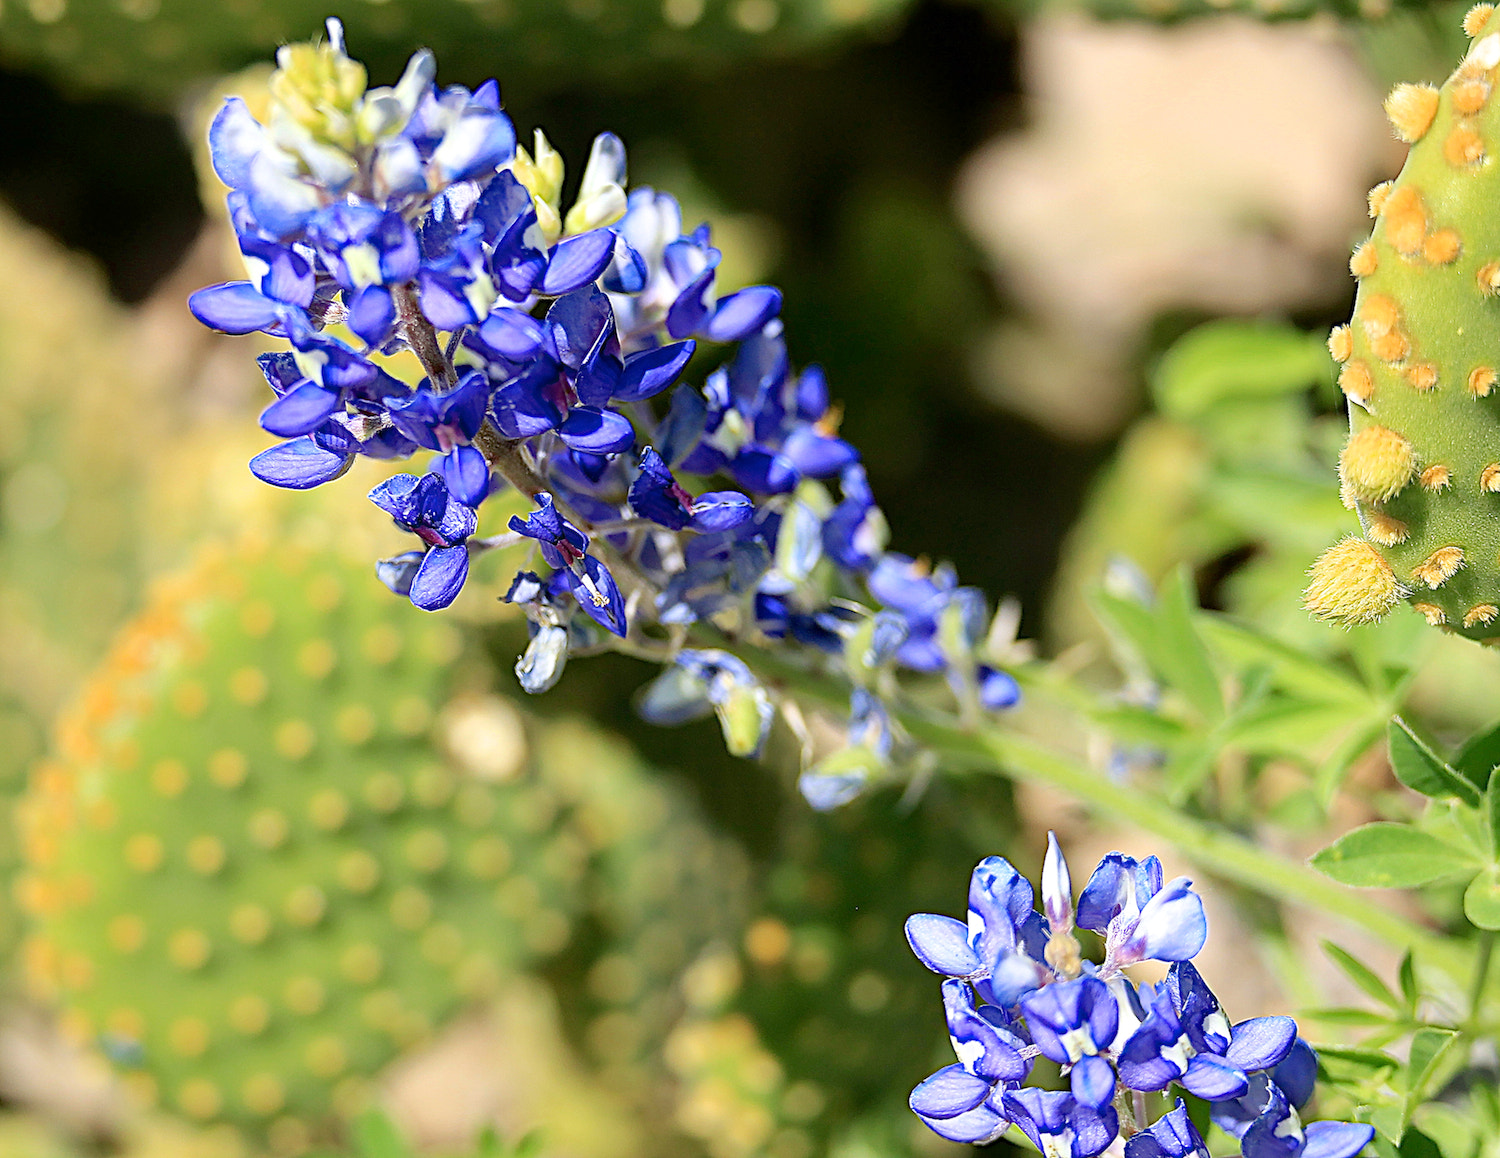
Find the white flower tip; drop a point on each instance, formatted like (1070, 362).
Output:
(1057, 886)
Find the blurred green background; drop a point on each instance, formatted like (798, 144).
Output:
(991, 220)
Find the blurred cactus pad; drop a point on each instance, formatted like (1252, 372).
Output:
(1418, 365)
(156, 48)
(272, 851)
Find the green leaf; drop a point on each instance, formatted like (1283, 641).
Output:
(1387, 855)
(1345, 1015)
(1479, 756)
(1390, 1121)
(1140, 726)
(1293, 670)
(1415, 1144)
(375, 1136)
(1482, 899)
(1372, 1059)
(1282, 725)
(1361, 975)
(1429, 1046)
(1492, 815)
(1407, 976)
(1235, 359)
(1421, 769)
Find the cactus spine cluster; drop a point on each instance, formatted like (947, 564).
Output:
(1419, 362)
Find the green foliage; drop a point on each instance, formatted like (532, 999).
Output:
(1187, 487)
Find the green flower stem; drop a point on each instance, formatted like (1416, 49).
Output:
(993, 749)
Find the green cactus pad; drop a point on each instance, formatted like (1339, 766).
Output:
(1419, 363)
(252, 877)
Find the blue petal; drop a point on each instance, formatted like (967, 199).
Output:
(466, 474)
(742, 314)
(519, 262)
(627, 271)
(1172, 925)
(1213, 1078)
(596, 431)
(398, 571)
(981, 1124)
(600, 598)
(683, 426)
(300, 411)
(577, 261)
(441, 577)
(522, 409)
(765, 472)
(280, 203)
(942, 944)
(234, 307)
(825, 791)
(949, 1092)
(1093, 1082)
(677, 696)
(1297, 1073)
(649, 372)
(721, 511)
(686, 314)
(444, 303)
(998, 690)
(299, 465)
(372, 314)
(477, 143)
(234, 138)
(1173, 1135)
(1094, 1130)
(1336, 1139)
(1261, 1042)
(511, 333)
(818, 455)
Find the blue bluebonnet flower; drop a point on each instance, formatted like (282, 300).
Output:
(1017, 984)
(1277, 1132)
(559, 345)
(565, 548)
(1173, 1135)
(444, 522)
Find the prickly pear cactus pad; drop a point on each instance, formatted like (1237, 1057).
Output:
(1420, 362)
(253, 877)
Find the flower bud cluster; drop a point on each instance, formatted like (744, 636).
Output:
(1017, 989)
(555, 342)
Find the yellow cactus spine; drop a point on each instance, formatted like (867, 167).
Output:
(1351, 584)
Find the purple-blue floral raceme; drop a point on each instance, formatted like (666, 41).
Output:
(682, 502)
(1018, 988)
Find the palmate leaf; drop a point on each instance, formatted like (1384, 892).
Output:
(1166, 639)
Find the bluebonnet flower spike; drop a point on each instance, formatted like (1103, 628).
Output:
(412, 219)
(1017, 988)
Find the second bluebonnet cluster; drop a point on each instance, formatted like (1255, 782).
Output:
(1018, 989)
(671, 518)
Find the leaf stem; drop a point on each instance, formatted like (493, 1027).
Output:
(1481, 971)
